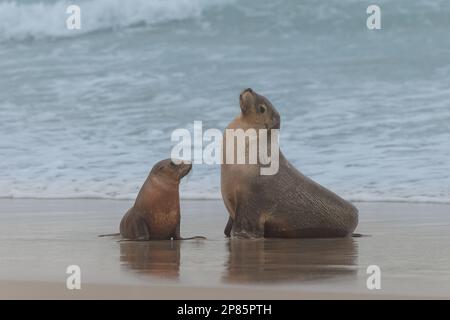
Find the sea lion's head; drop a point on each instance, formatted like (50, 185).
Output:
(258, 110)
(173, 170)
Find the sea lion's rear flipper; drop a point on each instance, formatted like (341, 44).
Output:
(191, 238)
(109, 235)
(228, 227)
(359, 235)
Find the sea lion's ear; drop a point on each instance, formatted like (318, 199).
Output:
(246, 100)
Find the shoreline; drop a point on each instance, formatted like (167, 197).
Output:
(373, 201)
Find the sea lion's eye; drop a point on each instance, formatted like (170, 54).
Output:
(262, 109)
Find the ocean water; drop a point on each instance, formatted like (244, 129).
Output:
(86, 113)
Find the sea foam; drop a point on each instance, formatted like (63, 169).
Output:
(37, 20)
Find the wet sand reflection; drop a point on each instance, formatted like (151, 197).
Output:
(278, 260)
(157, 258)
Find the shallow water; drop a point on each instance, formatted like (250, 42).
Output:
(40, 238)
(87, 113)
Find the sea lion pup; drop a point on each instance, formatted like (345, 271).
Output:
(156, 212)
(286, 204)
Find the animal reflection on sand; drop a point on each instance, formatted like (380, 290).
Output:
(157, 258)
(248, 261)
(278, 260)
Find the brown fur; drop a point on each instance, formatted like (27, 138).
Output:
(156, 212)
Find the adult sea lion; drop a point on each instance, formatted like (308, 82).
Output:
(283, 205)
(156, 213)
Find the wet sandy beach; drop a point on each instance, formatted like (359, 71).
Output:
(40, 238)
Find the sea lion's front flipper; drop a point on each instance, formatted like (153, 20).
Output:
(191, 238)
(177, 235)
(360, 235)
(109, 235)
(228, 227)
(134, 227)
(248, 223)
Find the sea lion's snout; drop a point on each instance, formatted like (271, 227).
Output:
(246, 95)
(246, 99)
(184, 168)
(173, 168)
(276, 120)
(246, 91)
